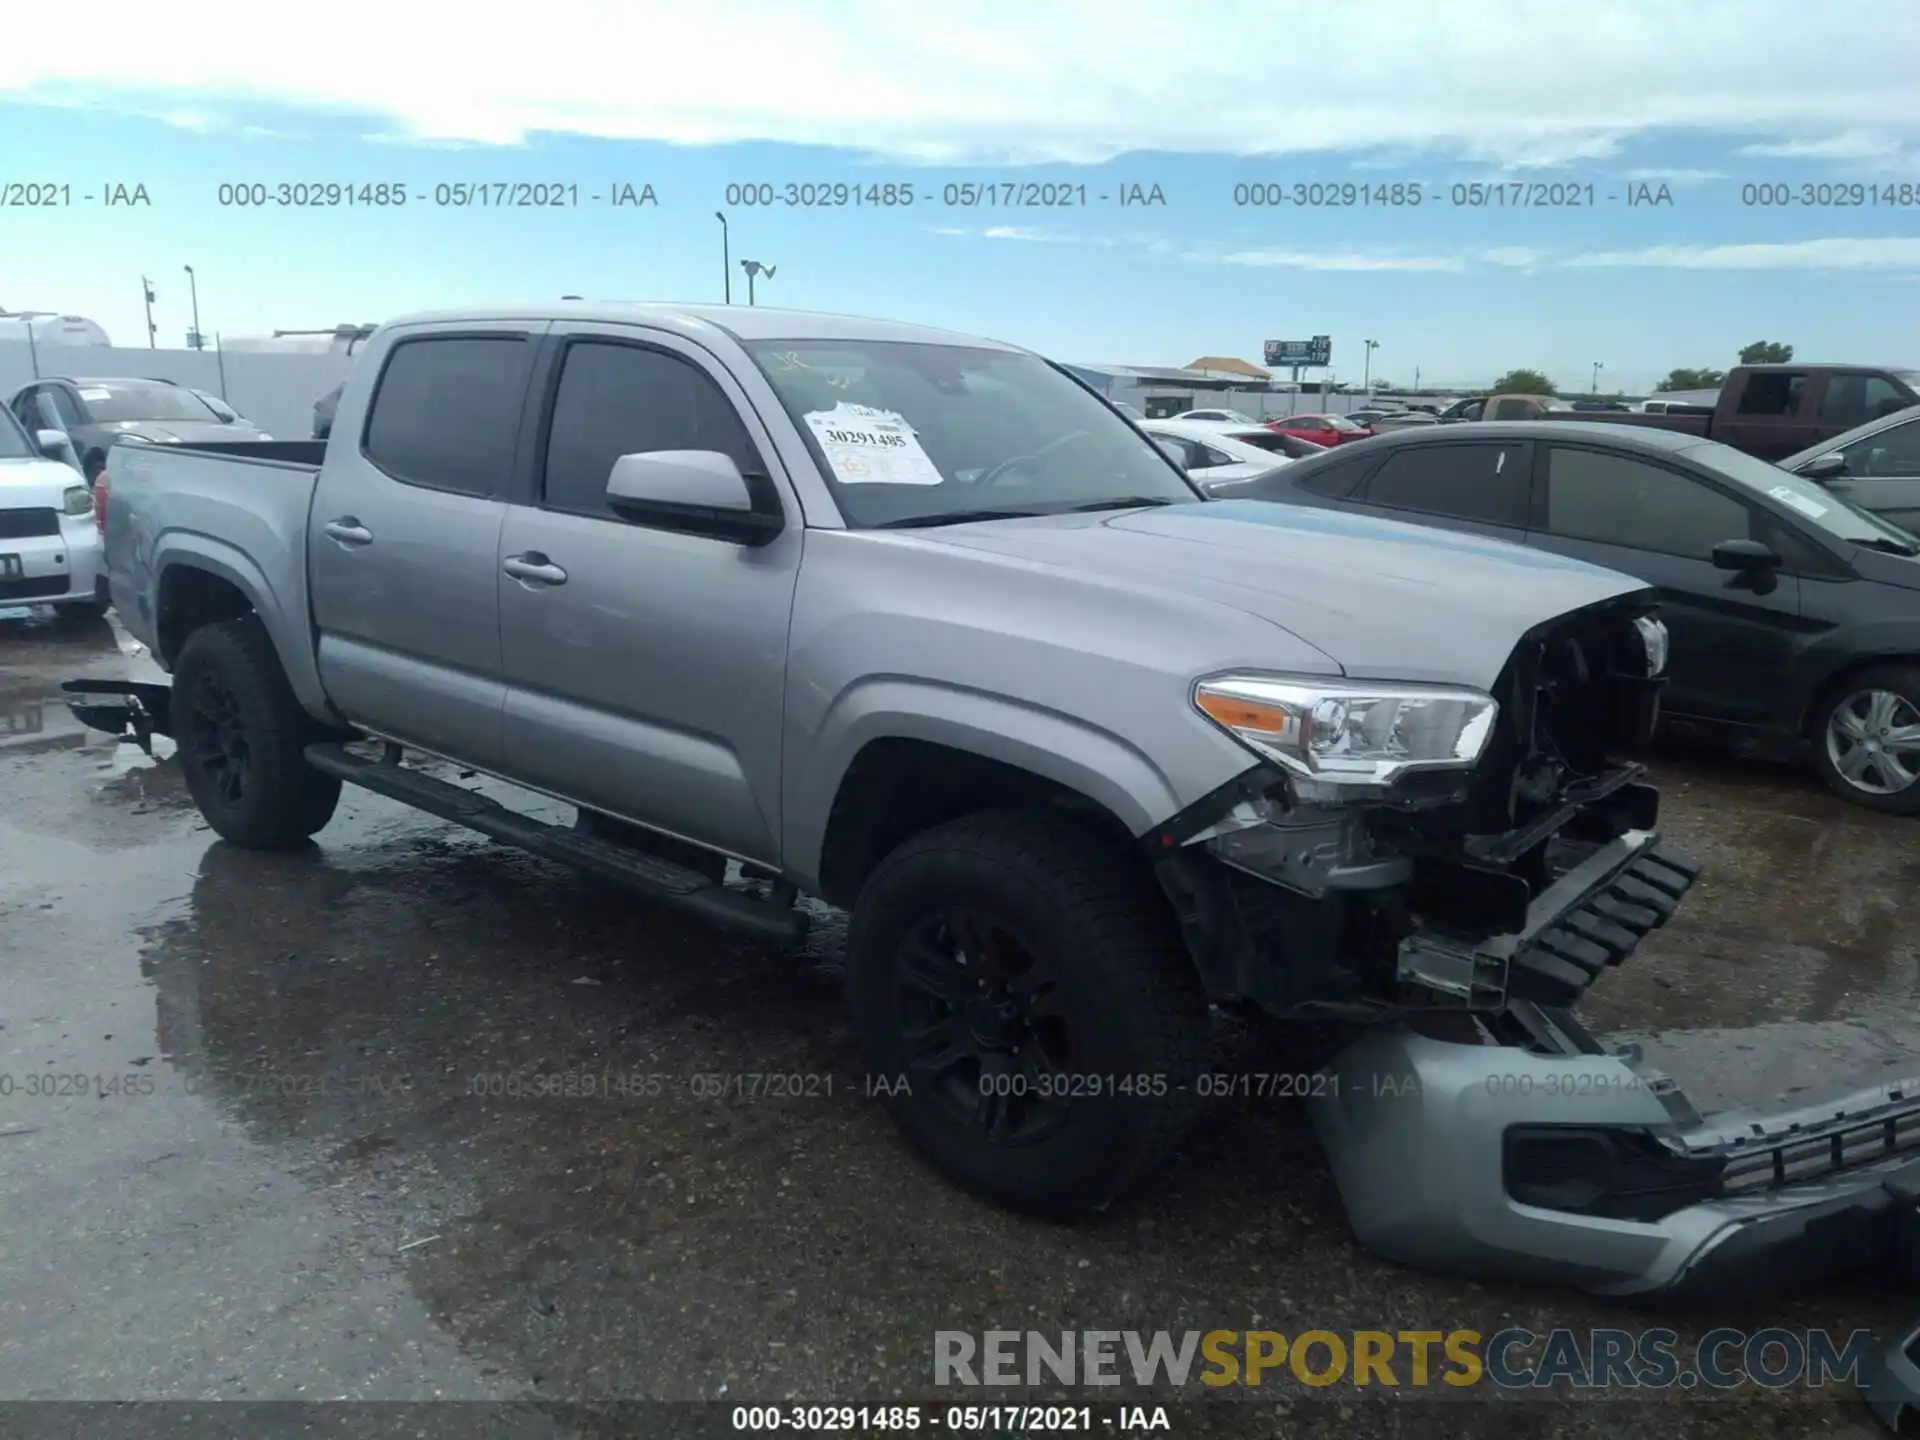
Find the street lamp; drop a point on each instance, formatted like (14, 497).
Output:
(193, 285)
(1597, 368)
(726, 261)
(754, 268)
(1366, 372)
(146, 287)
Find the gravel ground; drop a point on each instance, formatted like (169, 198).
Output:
(294, 1170)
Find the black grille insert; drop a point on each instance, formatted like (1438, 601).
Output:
(26, 524)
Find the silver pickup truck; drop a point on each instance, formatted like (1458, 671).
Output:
(916, 624)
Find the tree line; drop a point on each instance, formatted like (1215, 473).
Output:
(1761, 352)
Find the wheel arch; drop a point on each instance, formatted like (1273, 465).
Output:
(199, 580)
(898, 786)
(1828, 686)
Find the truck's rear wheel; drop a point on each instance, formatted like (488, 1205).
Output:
(241, 735)
(1031, 990)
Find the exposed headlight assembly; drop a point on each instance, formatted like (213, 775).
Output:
(1653, 639)
(1344, 732)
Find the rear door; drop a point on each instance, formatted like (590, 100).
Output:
(1732, 635)
(404, 539)
(1774, 414)
(646, 674)
(1480, 486)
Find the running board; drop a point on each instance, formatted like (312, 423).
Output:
(659, 880)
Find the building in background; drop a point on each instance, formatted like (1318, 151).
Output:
(340, 340)
(49, 327)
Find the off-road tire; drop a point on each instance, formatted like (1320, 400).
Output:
(1901, 680)
(1134, 999)
(281, 800)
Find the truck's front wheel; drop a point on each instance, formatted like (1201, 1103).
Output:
(241, 734)
(1026, 1008)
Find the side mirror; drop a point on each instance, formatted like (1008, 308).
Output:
(54, 445)
(1744, 555)
(1830, 466)
(699, 492)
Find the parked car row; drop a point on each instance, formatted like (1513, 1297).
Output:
(1793, 611)
(91, 415)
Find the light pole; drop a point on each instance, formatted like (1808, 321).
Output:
(1597, 368)
(754, 268)
(726, 257)
(146, 286)
(1366, 372)
(1416, 379)
(193, 285)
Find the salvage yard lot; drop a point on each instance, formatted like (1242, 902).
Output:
(310, 1156)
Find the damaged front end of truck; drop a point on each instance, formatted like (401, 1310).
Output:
(1452, 869)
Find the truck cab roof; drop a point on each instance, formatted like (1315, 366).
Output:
(741, 322)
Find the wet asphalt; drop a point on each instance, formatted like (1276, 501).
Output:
(412, 1116)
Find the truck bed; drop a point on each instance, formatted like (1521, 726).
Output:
(237, 509)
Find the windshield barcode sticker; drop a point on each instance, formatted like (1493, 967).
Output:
(866, 446)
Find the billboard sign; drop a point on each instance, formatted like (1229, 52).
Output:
(1283, 353)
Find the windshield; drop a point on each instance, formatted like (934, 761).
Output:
(917, 433)
(14, 444)
(1838, 517)
(112, 404)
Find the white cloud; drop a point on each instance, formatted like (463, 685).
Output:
(1835, 253)
(1008, 81)
(1514, 257)
(1327, 260)
(1851, 145)
(1661, 175)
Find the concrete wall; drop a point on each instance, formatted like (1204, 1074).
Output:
(274, 391)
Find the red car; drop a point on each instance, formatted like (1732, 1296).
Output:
(1320, 429)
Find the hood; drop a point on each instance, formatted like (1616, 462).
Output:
(1387, 601)
(1899, 570)
(35, 484)
(183, 432)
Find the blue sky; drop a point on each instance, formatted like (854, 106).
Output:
(1706, 100)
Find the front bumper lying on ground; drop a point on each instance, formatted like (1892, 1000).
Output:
(1569, 1164)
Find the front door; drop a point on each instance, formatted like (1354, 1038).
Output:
(404, 543)
(646, 669)
(1728, 631)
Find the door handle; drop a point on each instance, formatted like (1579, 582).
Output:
(348, 531)
(533, 568)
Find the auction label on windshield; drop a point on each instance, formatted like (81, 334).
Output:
(866, 446)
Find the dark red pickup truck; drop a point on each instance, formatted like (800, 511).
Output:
(1773, 411)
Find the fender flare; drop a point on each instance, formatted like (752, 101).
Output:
(1102, 766)
(292, 641)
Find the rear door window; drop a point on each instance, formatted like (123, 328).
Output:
(446, 411)
(1486, 483)
(1773, 392)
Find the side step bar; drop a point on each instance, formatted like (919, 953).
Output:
(659, 880)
